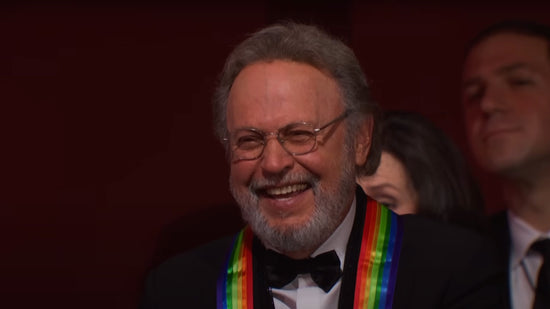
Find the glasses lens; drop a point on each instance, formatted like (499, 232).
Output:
(247, 144)
(298, 138)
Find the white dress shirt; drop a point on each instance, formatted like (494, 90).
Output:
(303, 292)
(524, 263)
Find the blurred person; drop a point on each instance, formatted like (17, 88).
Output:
(294, 113)
(506, 101)
(422, 171)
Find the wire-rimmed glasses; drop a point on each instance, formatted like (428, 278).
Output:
(296, 138)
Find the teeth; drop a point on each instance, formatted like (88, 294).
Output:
(286, 190)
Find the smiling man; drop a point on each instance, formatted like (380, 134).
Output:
(293, 202)
(506, 98)
(294, 113)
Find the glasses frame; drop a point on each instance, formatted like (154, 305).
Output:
(276, 133)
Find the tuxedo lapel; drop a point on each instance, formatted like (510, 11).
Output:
(262, 295)
(353, 250)
(500, 231)
(372, 256)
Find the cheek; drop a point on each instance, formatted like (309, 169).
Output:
(543, 130)
(471, 120)
(540, 112)
(545, 123)
(241, 173)
(325, 163)
(473, 128)
(408, 208)
(334, 155)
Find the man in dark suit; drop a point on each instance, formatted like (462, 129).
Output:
(506, 98)
(294, 112)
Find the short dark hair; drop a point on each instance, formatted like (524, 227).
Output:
(524, 27)
(439, 174)
(310, 45)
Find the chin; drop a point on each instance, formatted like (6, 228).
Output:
(291, 235)
(508, 167)
(286, 225)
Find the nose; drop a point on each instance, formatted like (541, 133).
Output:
(494, 100)
(275, 159)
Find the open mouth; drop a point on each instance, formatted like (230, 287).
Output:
(284, 191)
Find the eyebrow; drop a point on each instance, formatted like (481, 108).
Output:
(500, 71)
(249, 128)
(383, 186)
(513, 67)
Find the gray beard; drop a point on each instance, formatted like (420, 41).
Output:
(330, 209)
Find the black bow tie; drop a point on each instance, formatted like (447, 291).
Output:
(324, 269)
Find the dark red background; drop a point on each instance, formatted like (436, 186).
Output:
(108, 160)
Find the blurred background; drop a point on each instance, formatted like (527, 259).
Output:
(109, 164)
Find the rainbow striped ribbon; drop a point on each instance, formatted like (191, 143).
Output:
(379, 258)
(235, 285)
(376, 267)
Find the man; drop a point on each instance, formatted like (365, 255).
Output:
(294, 112)
(506, 97)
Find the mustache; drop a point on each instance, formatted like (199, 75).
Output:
(258, 184)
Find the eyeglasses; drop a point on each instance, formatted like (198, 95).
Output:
(296, 138)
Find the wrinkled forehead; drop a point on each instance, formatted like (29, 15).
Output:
(273, 94)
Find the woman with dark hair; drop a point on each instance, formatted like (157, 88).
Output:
(422, 171)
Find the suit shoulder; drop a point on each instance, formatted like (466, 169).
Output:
(457, 263)
(187, 280)
(439, 245)
(203, 258)
(430, 232)
(499, 224)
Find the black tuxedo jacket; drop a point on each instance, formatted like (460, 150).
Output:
(500, 231)
(440, 266)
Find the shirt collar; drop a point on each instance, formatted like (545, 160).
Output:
(522, 235)
(338, 241)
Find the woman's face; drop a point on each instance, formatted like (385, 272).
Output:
(391, 186)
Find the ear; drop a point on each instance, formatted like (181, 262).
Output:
(363, 141)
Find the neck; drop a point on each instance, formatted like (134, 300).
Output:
(529, 197)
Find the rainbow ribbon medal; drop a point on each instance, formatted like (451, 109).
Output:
(379, 258)
(376, 267)
(234, 289)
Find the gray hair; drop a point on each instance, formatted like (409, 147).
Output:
(310, 45)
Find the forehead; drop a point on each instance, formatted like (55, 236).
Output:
(505, 49)
(278, 92)
(391, 174)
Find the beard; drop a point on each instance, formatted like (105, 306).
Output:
(331, 205)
